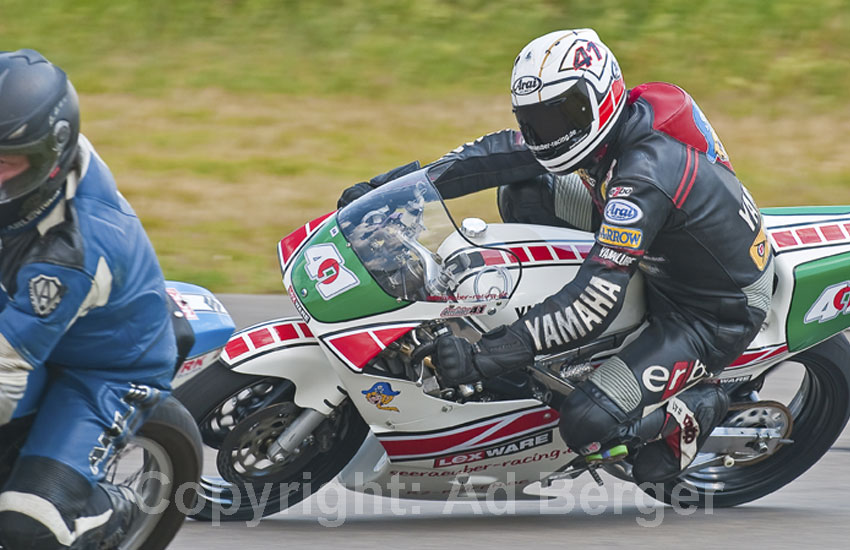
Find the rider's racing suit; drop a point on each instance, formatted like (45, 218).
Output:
(663, 199)
(83, 298)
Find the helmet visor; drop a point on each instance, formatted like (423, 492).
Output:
(41, 159)
(555, 126)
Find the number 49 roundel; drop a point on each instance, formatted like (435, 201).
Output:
(325, 265)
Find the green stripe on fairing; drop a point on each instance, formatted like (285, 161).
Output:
(811, 279)
(367, 298)
(805, 210)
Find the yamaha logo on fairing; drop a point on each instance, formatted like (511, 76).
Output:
(525, 85)
(620, 211)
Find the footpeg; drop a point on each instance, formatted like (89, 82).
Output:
(614, 454)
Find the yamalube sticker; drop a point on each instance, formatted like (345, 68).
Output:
(325, 265)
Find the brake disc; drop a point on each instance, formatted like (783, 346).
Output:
(243, 455)
(760, 414)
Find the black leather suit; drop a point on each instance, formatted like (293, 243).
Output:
(664, 199)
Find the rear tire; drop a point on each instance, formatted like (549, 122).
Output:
(219, 400)
(820, 408)
(173, 430)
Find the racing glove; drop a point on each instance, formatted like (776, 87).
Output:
(357, 190)
(497, 352)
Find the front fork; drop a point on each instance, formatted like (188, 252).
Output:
(290, 440)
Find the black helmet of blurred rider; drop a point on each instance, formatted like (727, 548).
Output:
(39, 130)
(568, 96)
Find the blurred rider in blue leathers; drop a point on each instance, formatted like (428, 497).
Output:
(83, 299)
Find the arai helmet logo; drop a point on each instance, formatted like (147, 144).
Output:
(525, 85)
(326, 266)
(620, 211)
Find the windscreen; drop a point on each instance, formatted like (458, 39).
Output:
(396, 232)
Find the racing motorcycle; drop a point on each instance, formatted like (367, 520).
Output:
(164, 458)
(341, 390)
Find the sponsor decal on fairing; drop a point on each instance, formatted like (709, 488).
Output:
(496, 451)
(462, 311)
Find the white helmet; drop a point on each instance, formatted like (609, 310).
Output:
(567, 93)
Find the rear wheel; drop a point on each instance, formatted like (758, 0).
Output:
(162, 463)
(819, 406)
(239, 416)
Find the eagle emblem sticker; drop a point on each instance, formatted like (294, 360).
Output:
(45, 294)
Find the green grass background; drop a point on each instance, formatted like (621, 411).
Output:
(228, 123)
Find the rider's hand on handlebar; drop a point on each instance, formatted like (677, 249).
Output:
(454, 359)
(353, 193)
(497, 352)
(357, 190)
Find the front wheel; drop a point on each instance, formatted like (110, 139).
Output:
(239, 416)
(820, 407)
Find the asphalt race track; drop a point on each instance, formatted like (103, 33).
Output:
(812, 512)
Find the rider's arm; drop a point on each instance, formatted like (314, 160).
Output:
(586, 306)
(493, 160)
(490, 161)
(47, 301)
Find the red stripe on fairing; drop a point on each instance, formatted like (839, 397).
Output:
(759, 355)
(540, 253)
(358, 348)
(305, 330)
(584, 250)
(261, 337)
(236, 347)
(847, 227)
(291, 242)
(435, 444)
(808, 235)
(286, 332)
(313, 225)
(832, 232)
(520, 253)
(389, 335)
(492, 257)
(535, 420)
(784, 238)
(564, 252)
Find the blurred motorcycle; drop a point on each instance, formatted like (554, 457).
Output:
(162, 462)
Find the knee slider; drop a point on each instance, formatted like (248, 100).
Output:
(588, 416)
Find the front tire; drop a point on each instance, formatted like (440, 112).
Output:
(259, 408)
(820, 409)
